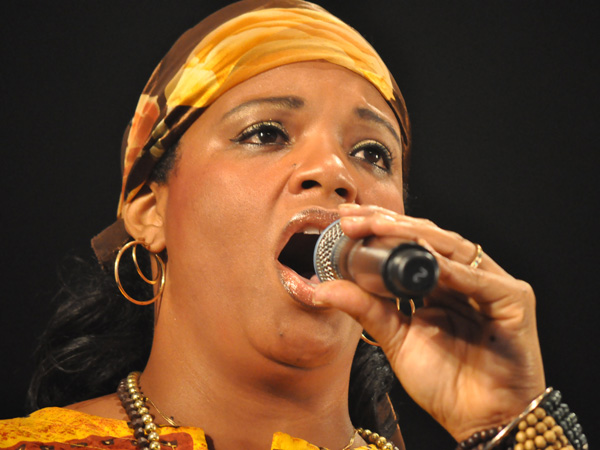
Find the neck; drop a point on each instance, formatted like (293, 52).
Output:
(240, 404)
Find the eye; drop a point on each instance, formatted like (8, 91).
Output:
(263, 133)
(374, 153)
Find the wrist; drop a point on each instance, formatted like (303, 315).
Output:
(546, 423)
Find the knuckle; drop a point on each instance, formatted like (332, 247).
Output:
(429, 223)
(525, 291)
(456, 236)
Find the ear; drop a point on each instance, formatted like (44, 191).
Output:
(144, 217)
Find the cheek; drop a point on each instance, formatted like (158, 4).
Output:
(212, 204)
(208, 219)
(202, 199)
(389, 196)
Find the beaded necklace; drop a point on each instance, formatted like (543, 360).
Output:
(145, 430)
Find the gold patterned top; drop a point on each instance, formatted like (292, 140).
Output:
(65, 429)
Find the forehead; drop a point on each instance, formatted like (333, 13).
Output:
(317, 82)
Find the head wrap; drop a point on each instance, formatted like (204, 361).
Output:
(228, 47)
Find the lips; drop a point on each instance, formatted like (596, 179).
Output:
(295, 255)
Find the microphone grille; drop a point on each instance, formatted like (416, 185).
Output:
(322, 257)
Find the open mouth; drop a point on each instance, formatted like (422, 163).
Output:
(298, 252)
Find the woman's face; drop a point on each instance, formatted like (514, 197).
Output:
(260, 171)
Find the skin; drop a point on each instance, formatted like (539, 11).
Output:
(233, 336)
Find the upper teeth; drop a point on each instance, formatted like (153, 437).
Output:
(311, 230)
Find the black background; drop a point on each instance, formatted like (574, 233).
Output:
(503, 97)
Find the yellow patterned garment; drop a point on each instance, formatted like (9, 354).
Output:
(65, 429)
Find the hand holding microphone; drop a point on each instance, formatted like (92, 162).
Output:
(388, 267)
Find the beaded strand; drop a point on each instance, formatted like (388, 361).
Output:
(134, 403)
(374, 438)
(547, 424)
(478, 440)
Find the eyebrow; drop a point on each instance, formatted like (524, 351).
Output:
(367, 114)
(278, 102)
(292, 102)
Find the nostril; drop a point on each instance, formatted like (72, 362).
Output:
(342, 192)
(307, 184)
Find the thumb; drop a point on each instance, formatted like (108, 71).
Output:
(378, 316)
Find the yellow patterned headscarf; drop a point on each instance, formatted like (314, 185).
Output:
(227, 48)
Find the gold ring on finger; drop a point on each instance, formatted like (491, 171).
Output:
(478, 257)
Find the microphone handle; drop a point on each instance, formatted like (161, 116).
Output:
(388, 267)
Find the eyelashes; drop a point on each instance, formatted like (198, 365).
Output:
(263, 133)
(272, 133)
(374, 153)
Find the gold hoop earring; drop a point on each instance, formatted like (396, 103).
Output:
(413, 309)
(159, 279)
(369, 341)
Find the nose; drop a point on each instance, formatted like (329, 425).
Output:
(320, 169)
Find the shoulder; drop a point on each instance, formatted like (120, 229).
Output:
(93, 424)
(108, 406)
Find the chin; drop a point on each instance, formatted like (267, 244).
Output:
(299, 348)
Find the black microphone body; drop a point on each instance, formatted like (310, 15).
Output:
(384, 266)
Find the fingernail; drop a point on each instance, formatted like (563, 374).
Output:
(318, 298)
(349, 206)
(353, 219)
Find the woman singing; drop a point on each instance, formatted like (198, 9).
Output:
(263, 125)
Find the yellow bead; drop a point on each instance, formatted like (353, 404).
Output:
(154, 445)
(138, 404)
(521, 436)
(388, 446)
(549, 421)
(153, 436)
(540, 442)
(146, 418)
(540, 413)
(522, 425)
(531, 419)
(550, 436)
(558, 430)
(150, 427)
(143, 410)
(373, 438)
(136, 396)
(529, 445)
(530, 433)
(541, 427)
(519, 446)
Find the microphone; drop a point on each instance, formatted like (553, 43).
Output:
(384, 266)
